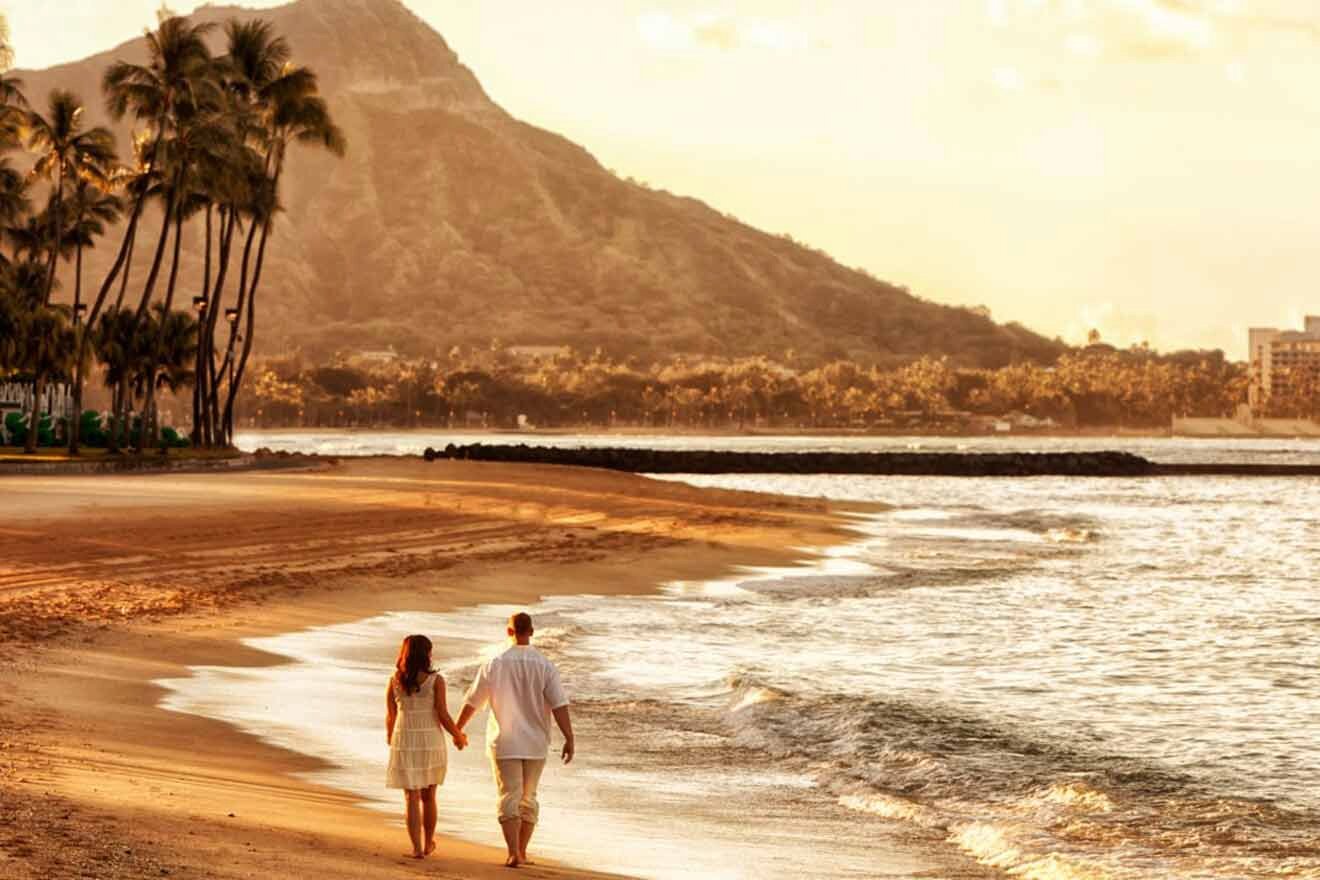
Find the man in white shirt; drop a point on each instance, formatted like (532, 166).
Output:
(523, 691)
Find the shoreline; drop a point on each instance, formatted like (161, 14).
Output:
(90, 753)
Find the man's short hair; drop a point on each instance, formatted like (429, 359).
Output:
(521, 624)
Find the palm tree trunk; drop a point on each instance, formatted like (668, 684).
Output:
(147, 434)
(75, 423)
(77, 280)
(112, 438)
(214, 373)
(39, 385)
(152, 426)
(250, 329)
(226, 367)
(150, 287)
(199, 369)
(174, 265)
(57, 232)
(128, 270)
(125, 411)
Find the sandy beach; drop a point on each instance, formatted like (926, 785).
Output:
(110, 583)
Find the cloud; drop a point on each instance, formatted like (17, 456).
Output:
(667, 32)
(1008, 79)
(1146, 29)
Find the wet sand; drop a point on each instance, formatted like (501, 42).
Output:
(109, 583)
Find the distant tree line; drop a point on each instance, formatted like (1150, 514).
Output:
(1136, 389)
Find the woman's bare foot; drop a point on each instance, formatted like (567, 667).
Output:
(414, 855)
(430, 847)
(512, 862)
(523, 860)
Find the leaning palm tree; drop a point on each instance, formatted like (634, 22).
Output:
(65, 151)
(236, 190)
(93, 209)
(293, 112)
(179, 66)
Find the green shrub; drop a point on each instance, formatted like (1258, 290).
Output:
(16, 428)
(90, 430)
(171, 438)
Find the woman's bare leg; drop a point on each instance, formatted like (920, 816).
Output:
(413, 813)
(524, 839)
(429, 815)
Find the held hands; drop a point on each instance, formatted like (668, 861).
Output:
(460, 740)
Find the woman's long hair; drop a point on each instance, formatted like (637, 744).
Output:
(414, 663)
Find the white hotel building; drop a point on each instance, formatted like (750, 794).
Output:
(1277, 354)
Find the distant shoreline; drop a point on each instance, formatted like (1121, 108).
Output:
(637, 431)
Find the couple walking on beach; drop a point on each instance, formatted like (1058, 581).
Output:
(522, 689)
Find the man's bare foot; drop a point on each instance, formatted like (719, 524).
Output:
(512, 862)
(414, 855)
(523, 860)
(430, 847)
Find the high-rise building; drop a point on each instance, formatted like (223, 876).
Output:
(1281, 358)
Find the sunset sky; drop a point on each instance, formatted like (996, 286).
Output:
(1150, 168)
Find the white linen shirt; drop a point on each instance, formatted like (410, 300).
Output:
(522, 688)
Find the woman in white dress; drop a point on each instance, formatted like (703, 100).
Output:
(415, 711)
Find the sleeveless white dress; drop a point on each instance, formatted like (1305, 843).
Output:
(417, 749)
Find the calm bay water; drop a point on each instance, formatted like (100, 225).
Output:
(1047, 678)
(1159, 449)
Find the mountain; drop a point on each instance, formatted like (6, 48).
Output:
(451, 222)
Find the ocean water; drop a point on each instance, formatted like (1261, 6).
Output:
(1053, 679)
(1160, 449)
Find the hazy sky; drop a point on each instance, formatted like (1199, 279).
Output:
(1150, 168)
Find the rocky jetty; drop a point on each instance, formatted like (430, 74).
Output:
(934, 464)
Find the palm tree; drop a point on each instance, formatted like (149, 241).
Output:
(65, 152)
(12, 102)
(178, 67)
(119, 345)
(30, 238)
(171, 365)
(14, 202)
(293, 112)
(11, 330)
(47, 351)
(93, 209)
